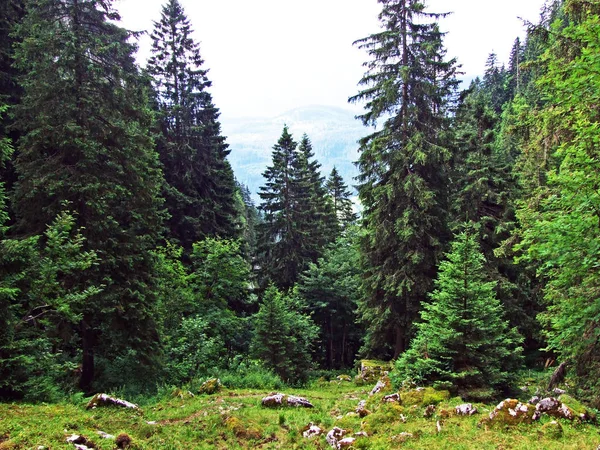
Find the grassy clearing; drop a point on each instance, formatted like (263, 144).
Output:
(234, 419)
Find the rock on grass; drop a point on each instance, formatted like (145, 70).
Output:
(275, 400)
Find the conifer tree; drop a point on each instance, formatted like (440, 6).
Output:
(403, 168)
(11, 14)
(559, 218)
(318, 220)
(297, 218)
(86, 141)
(342, 204)
(284, 336)
(331, 289)
(463, 337)
(200, 187)
(279, 239)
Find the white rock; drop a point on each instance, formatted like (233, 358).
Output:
(312, 431)
(466, 409)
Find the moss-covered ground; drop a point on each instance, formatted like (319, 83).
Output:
(235, 419)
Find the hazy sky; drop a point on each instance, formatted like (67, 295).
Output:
(269, 56)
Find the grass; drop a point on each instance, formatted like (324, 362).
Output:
(234, 419)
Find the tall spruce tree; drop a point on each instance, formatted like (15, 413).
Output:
(11, 14)
(403, 169)
(340, 198)
(200, 187)
(86, 141)
(297, 217)
(319, 219)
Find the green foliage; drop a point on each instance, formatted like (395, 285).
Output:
(86, 140)
(298, 217)
(560, 217)
(41, 309)
(463, 336)
(201, 307)
(409, 87)
(199, 184)
(342, 203)
(331, 291)
(284, 336)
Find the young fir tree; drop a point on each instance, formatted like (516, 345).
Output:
(403, 169)
(342, 204)
(463, 337)
(284, 336)
(86, 141)
(200, 187)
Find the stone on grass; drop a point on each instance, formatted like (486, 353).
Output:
(552, 430)
(81, 442)
(423, 396)
(104, 435)
(99, 400)
(581, 411)
(429, 411)
(276, 399)
(334, 437)
(210, 387)
(371, 370)
(361, 434)
(512, 412)
(312, 431)
(382, 385)
(466, 409)
(361, 409)
(403, 437)
(392, 398)
(534, 400)
(553, 407)
(344, 378)
(347, 442)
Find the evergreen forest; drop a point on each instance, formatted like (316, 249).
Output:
(131, 258)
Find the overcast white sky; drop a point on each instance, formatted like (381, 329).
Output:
(269, 56)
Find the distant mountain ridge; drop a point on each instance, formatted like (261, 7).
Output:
(334, 133)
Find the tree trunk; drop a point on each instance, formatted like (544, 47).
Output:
(87, 363)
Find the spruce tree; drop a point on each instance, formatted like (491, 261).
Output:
(86, 141)
(200, 187)
(284, 336)
(316, 212)
(409, 86)
(11, 14)
(463, 337)
(279, 241)
(340, 198)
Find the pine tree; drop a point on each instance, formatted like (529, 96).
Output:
(403, 169)
(342, 204)
(200, 187)
(463, 337)
(85, 125)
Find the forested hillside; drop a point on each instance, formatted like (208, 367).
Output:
(131, 257)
